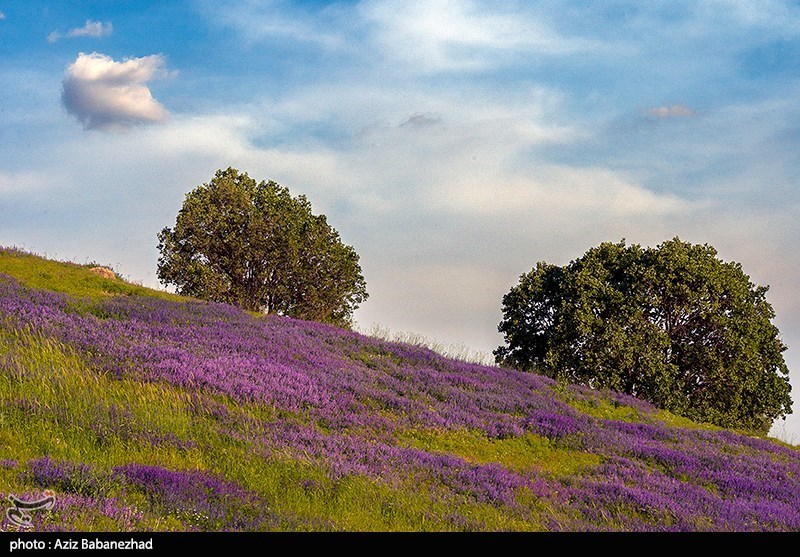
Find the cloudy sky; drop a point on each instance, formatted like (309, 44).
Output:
(453, 143)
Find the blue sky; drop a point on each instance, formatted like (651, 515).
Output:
(453, 143)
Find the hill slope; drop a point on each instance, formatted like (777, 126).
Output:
(144, 411)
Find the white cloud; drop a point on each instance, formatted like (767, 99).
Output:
(766, 14)
(470, 158)
(425, 37)
(15, 182)
(676, 110)
(276, 19)
(2, 16)
(105, 94)
(567, 191)
(91, 28)
(448, 35)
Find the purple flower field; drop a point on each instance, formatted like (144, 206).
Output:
(336, 419)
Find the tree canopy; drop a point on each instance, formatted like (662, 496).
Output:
(673, 324)
(254, 245)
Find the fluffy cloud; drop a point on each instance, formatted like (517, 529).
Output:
(2, 15)
(91, 28)
(105, 94)
(676, 110)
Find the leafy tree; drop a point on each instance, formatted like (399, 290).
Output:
(253, 245)
(673, 324)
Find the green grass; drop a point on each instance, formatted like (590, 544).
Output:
(54, 404)
(525, 452)
(605, 409)
(674, 420)
(69, 278)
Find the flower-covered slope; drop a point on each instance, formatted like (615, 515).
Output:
(144, 413)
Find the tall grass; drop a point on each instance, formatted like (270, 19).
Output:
(87, 424)
(455, 351)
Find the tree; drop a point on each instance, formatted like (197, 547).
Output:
(673, 324)
(255, 246)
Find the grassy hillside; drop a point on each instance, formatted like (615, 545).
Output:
(145, 411)
(70, 278)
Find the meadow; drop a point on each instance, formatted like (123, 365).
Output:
(145, 411)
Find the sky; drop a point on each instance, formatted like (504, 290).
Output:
(452, 143)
